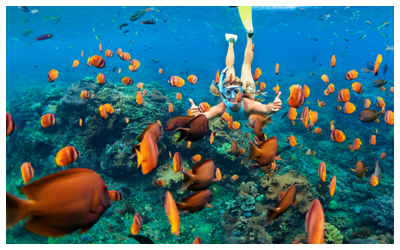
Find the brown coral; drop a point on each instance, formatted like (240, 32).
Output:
(276, 183)
(248, 188)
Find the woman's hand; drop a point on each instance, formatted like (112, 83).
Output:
(277, 104)
(195, 109)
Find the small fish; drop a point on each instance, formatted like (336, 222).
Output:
(122, 25)
(383, 25)
(98, 38)
(27, 33)
(362, 37)
(148, 22)
(314, 39)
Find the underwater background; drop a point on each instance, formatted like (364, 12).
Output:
(191, 40)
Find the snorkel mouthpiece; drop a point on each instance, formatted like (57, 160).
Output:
(221, 83)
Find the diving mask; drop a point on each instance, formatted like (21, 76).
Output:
(232, 91)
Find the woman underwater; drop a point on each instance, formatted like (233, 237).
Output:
(238, 97)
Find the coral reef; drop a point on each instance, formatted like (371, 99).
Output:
(276, 183)
(332, 234)
(381, 210)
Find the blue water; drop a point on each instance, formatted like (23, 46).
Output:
(192, 41)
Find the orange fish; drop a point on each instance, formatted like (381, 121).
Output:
(139, 98)
(85, 94)
(351, 75)
(101, 78)
(178, 96)
(257, 74)
(337, 136)
(252, 48)
(135, 65)
(392, 89)
(296, 98)
(197, 240)
(373, 180)
(161, 71)
(176, 81)
(332, 127)
(224, 117)
(212, 137)
(372, 140)
(119, 70)
(322, 171)
(204, 107)
(383, 155)
(276, 68)
(100, 47)
(127, 81)
(82, 53)
(119, 52)
(350, 147)
(367, 103)
(66, 201)
(234, 177)
(377, 63)
(380, 103)
(325, 78)
(338, 108)
(318, 131)
(230, 122)
(172, 213)
(139, 85)
(136, 224)
(357, 87)
(382, 88)
(89, 62)
(80, 122)
(333, 61)
(360, 170)
(192, 79)
(196, 158)
(177, 162)
(188, 144)
(75, 63)
(217, 77)
(158, 183)
(52, 75)
(235, 125)
(103, 112)
(330, 89)
(306, 90)
(262, 86)
(125, 56)
(218, 174)
(98, 61)
(114, 195)
(292, 141)
(109, 108)
(292, 114)
(389, 117)
(343, 95)
(27, 172)
(313, 115)
(144, 92)
(349, 108)
(231, 79)
(332, 186)
(356, 144)
(48, 120)
(276, 89)
(315, 223)
(321, 104)
(170, 107)
(190, 113)
(147, 157)
(108, 53)
(67, 156)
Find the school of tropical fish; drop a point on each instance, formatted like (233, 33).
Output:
(105, 148)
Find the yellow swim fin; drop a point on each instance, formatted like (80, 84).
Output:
(245, 15)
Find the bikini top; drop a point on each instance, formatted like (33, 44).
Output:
(239, 115)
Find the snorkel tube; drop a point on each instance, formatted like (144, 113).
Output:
(221, 83)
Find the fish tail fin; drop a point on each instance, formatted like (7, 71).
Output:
(139, 158)
(16, 209)
(253, 151)
(187, 180)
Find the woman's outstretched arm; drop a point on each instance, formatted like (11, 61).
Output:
(215, 111)
(272, 108)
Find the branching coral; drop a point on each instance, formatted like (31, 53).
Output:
(381, 210)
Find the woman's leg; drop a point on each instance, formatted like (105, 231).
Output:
(247, 76)
(230, 61)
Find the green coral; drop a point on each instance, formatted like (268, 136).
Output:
(223, 150)
(332, 234)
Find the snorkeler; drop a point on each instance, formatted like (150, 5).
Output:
(238, 94)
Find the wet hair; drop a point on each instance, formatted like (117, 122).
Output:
(248, 88)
